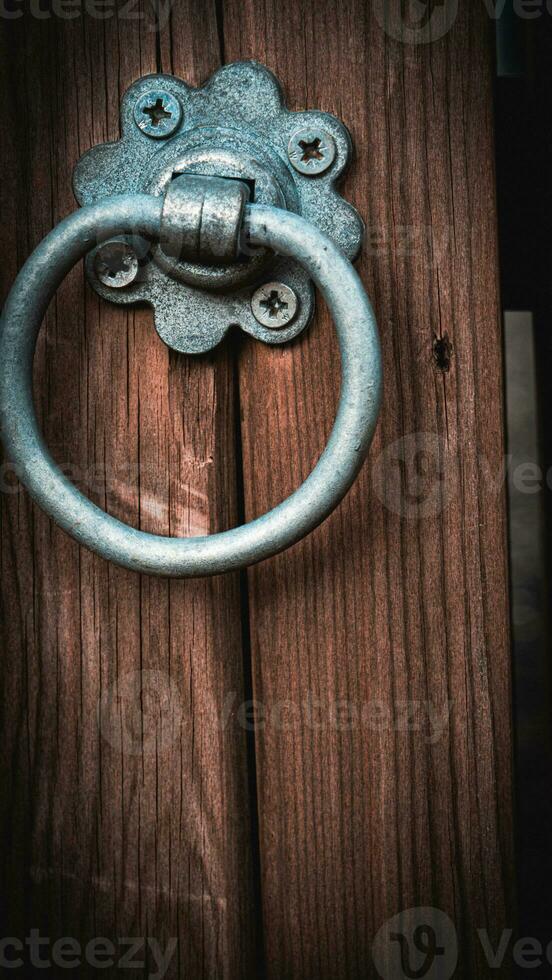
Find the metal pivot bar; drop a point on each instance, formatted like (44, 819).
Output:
(235, 127)
(202, 219)
(206, 218)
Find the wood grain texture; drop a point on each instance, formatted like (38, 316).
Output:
(125, 811)
(400, 600)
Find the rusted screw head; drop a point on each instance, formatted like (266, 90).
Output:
(116, 264)
(157, 113)
(311, 151)
(274, 305)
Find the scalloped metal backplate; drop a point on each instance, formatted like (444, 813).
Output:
(236, 125)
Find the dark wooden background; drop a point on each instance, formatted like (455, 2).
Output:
(135, 801)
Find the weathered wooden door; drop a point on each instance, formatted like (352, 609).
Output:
(143, 794)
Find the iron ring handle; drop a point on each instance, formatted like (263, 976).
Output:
(285, 524)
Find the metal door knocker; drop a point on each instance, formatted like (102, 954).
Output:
(218, 206)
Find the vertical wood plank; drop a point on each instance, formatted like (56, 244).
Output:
(126, 812)
(397, 606)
